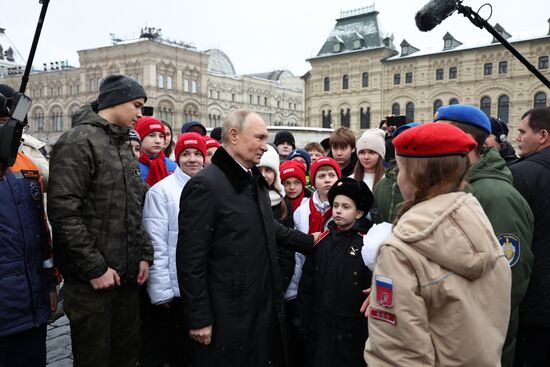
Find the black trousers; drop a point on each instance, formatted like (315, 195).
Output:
(24, 349)
(532, 346)
(104, 324)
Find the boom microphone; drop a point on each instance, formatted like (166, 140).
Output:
(433, 13)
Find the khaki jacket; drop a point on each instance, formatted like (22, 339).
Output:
(440, 289)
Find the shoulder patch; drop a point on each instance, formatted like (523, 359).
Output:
(510, 244)
(384, 290)
(383, 316)
(321, 237)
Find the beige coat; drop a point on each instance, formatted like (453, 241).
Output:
(450, 284)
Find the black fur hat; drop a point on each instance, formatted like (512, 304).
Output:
(358, 191)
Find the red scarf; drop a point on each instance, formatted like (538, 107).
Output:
(316, 219)
(297, 200)
(157, 168)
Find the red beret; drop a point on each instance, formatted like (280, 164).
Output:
(190, 140)
(210, 142)
(324, 161)
(293, 169)
(433, 140)
(147, 125)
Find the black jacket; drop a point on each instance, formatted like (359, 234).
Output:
(285, 256)
(227, 266)
(348, 170)
(330, 296)
(532, 180)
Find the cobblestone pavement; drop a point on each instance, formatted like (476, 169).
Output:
(58, 344)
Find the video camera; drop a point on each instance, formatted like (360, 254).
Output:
(16, 109)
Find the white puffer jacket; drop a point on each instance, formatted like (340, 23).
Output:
(160, 219)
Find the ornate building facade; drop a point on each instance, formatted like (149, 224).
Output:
(182, 84)
(359, 76)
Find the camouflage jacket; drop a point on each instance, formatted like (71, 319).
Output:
(95, 200)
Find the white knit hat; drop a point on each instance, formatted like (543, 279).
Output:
(270, 159)
(373, 139)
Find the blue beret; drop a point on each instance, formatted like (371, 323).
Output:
(466, 114)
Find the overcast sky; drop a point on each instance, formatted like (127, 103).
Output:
(257, 35)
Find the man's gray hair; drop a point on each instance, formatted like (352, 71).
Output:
(235, 120)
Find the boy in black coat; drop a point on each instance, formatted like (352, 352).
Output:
(334, 276)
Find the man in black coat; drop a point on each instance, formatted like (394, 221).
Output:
(227, 255)
(532, 179)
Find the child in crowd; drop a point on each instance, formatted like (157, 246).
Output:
(169, 140)
(211, 146)
(333, 279)
(315, 151)
(301, 156)
(342, 147)
(135, 143)
(293, 178)
(371, 149)
(160, 219)
(441, 292)
(153, 164)
(284, 142)
(282, 210)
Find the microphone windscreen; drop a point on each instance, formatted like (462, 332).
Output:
(433, 13)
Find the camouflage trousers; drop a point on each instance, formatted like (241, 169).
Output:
(104, 324)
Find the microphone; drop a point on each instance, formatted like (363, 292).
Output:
(433, 13)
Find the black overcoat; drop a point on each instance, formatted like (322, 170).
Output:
(227, 266)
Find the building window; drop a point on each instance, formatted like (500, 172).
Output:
(408, 78)
(57, 121)
(345, 82)
(448, 43)
(232, 97)
(345, 117)
(169, 82)
(485, 105)
(543, 62)
(503, 67)
(452, 73)
(365, 80)
(437, 105)
(91, 85)
(488, 69)
(250, 98)
(453, 101)
(161, 81)
(194, 87)
(258, 100)
(39, 121)
(439, 74)
(217, 94)
(289, 105)
(265, 101)
(327, 119)
(278, 104)
(294, 106)
(503, 108)
(210, 93)
(409, 112)
(326, 84)
(396, 79)
(358, 43)
(395, 109)
(540, 100)
(364, 118)
(166, 114)
(186, 85)
(77, 89)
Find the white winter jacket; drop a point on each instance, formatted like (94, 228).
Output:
(160, 219)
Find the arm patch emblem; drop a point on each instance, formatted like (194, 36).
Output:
(511, 246)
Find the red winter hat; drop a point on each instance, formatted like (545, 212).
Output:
(210, 142)
(324, 161)
(433, 140)
(190, 140)
(147, 125)
(293, 169)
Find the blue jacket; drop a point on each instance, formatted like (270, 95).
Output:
(24, 251)
(170, 167)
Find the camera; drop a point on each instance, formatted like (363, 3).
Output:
(16, 109)
(147, 111)
(396, 121)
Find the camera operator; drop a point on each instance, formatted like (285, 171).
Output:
(28, 282)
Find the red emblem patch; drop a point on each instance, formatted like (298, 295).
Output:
(383, 316)
(384, 290)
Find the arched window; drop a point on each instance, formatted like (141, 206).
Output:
(166, 113)
(395, 109)
(345, 82)
(364, 118)
(345, 117)
(485, 105)
(38, 117)
(437, 105)
(409, 111)
(327, 119)
(57, 120)
(190, 112)
(503, 108)
(453, 101)
(365, 80)
(326, 84)
(540, 100)
(194, 87)
(186, 85)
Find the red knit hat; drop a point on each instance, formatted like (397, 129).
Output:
(293, 169)
(324, 161)
(433, 140)
(210, 142)
(147, 125)
(190, 140)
